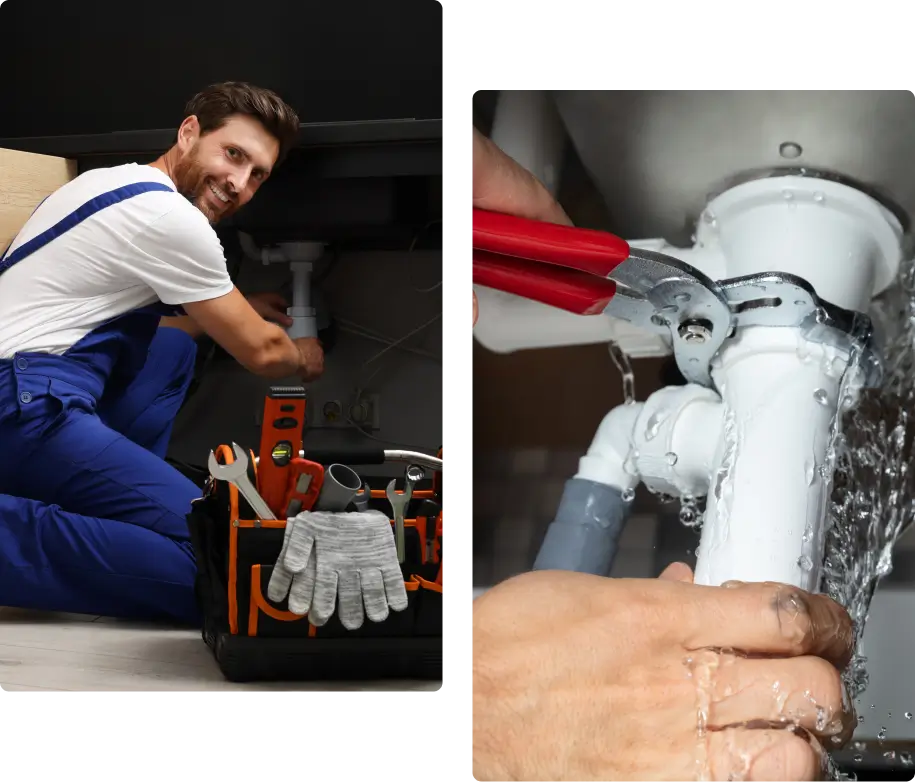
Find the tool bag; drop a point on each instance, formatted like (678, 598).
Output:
(254, 638)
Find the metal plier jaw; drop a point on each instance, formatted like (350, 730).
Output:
(589, 272)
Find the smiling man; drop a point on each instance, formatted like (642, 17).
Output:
(92, 373)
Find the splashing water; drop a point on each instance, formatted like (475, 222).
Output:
(873, 497)
(867, 486)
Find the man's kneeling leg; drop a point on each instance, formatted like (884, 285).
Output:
(54, 560)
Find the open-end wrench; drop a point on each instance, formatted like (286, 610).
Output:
(237, 474)
(399, 503)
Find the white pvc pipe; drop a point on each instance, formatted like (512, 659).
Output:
(301, 284)
(841, 241)
(765, 510)
(608, 459)
(675, 439)
(507, 323)
(526, 126)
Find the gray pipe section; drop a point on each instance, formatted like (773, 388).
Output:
(585, 534)
(340, 486)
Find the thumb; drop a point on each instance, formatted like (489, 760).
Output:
(677, 571)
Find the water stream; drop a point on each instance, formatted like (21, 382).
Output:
(865, 482)
(872, 501)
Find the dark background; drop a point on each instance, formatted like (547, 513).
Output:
(97, 66)
(105, 82)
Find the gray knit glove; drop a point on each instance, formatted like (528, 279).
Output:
(351, 554)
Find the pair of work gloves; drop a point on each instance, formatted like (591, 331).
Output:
(345, 561)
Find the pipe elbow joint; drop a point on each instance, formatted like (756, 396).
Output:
(608, 460)
(675, 438)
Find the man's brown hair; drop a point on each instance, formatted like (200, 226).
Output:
(217, 103)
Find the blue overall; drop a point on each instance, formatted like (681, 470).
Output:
(92, 517)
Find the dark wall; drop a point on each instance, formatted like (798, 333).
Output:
(96, 66)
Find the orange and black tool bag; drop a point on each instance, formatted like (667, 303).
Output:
(253, 638)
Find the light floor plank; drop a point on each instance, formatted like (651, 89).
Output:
(45, 651)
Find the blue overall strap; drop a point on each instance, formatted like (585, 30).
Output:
(75, 218)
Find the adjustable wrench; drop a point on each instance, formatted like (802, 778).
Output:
(399, 503)
(237, 473)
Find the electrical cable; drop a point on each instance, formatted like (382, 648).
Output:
(410, 259)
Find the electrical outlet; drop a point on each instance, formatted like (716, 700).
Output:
(333, 413)
(365, 413)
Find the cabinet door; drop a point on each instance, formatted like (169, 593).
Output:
(25, 180)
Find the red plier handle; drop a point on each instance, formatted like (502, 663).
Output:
(558, 265)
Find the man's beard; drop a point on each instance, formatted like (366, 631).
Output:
(190, 179)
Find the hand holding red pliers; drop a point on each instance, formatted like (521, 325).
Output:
(559, 265)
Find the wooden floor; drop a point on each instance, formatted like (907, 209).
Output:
(47, 651)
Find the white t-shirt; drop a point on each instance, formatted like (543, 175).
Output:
(154, 246)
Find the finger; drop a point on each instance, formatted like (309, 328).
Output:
(394, 588)
(280, 581)
(376, 603)
(299, 549)
(277, 315)
(325, 599)
(774, 619)
(349, 600)
(677, 571)
(805, 691)
(763, 754)
(275, 299)
(501, 185)
(301, 594)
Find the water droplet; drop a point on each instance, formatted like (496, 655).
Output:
(670, 308)
(800, 302)
(790, 150)
(881, 734)
(859, 745)
(821, 315)
(654, 424)
(908, 715)
(890, 754)
(819, 198)
(628, 495)
(873, 706)
(689, 517)
(906, 758)
(804, 563)
(683, 297)
(860, 719)
(858, 758)
(821, 397)
(694, 360)
(671, 458)
(787, 195)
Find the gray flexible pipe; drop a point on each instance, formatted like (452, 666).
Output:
(585, 533)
